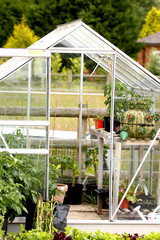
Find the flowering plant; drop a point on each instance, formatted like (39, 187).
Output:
(149, 117)
(130, 196)
(122, 128)
(140, 102)
(130, 117)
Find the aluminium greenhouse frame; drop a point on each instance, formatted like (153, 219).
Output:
(80, 38)
(47, 54)
(32, 54)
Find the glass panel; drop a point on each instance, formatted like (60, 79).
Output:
(24, 89)
(23, 137)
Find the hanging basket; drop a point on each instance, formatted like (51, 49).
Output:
(139, 126)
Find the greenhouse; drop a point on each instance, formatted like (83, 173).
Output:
(51, 95)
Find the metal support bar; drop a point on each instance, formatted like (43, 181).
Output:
(29, 100)
(80, 117)
(151, 172)
(48, 81)
(130, 184)
(5, 144)
(111, 140)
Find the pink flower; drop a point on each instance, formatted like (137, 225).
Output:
(122, 189)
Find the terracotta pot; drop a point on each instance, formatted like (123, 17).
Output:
(125, 203)
(98, 123)
(60, 196)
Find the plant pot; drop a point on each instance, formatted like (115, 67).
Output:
(116, 124)
(90, 190)
(125, 203)
(74, 194)
(5, 224)
(60, 196)
(31, 207)
(98, 123)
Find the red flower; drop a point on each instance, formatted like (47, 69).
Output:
(149, 117)
(116, 129)
(129, 116)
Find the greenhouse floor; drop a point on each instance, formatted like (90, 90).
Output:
(85, 211)
(85, 218)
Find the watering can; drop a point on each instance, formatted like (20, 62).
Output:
(124, 135)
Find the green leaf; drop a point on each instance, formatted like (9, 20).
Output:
(90, 171)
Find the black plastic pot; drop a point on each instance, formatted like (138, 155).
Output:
(31, 206)
(74, 194)
(116, 124)
(5, 223)
(90, 190)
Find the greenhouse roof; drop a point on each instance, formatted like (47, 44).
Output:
(77, 35)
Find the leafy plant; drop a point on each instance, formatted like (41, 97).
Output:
(65, 163)
(15, 139)
(11, 198)
(153, 132)
(121, 102)
(17, 180)
(54, 174)
(125, 100)
(44, 215)
(1, 224)
(156, 117)
(142, 131)
(92, 200)
(100, 117)
(92, 161)
(130, 196)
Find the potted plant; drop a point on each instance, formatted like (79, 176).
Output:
(122, 95)
(74, 193)
(130, 196)
(16, 184)
(132, 110)
(99, 122)
(92, 167)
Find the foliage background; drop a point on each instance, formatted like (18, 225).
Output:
(118, 21)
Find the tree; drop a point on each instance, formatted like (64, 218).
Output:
(118, 21)
(22, 36)
(10, 13)
(154, 63)
(152, 23)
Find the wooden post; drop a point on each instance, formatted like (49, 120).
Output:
(84, 131)
(100, 175)
(140, 175)
(69, 78)
(117, 164)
